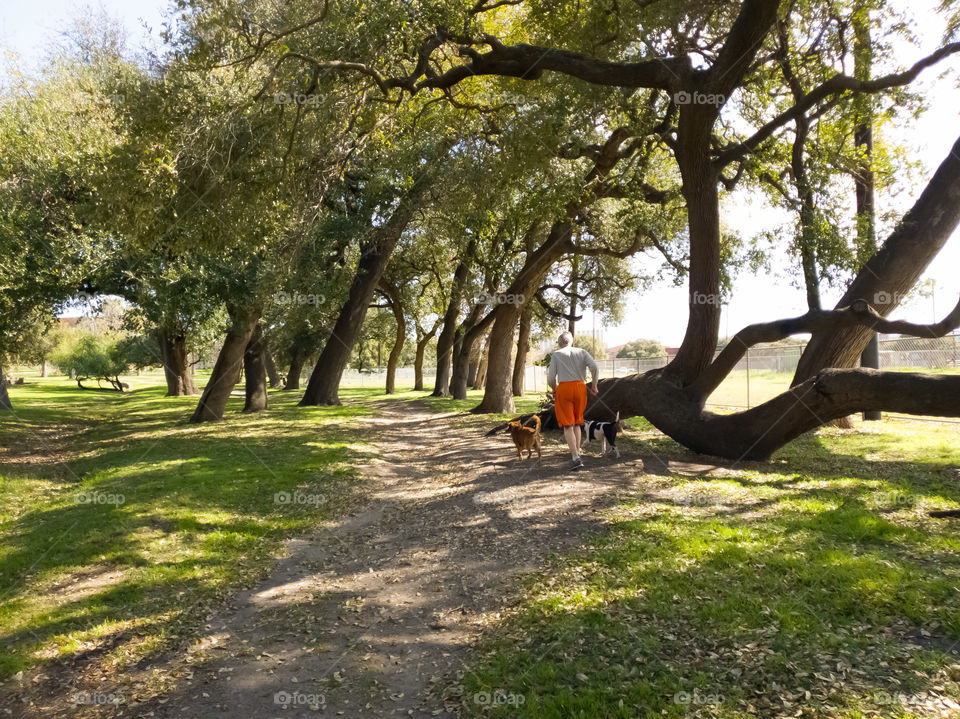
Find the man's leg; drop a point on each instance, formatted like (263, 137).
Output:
(579, 434)
(572, 435)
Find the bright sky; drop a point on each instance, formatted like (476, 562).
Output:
(28, 28)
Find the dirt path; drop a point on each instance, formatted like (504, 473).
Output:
(374, 615)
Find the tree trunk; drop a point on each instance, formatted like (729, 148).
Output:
(43, 367)
(864, 178)
(325, 379)
(480, 378)
(226, 370)
(273, 372)
(255, 373)
(808, 239)
(523, 347)
(574, 290)
(699, 178)
(758, 432)
(393, 296)
(893, 270)
(422, 342)
(467, 334)
(176, 366)
(445, 342)
(498, 395)
(4, 396)
(296, 368)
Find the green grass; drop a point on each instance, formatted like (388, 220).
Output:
(181, 515)
(811, 585)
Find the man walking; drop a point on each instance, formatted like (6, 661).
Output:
(567, 377)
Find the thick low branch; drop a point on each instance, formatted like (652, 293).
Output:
(529, 62)
(860, 313)
(757, 433)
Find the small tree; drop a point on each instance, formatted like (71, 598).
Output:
(88, 356)
(641, 349)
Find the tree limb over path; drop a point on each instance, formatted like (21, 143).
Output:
(860, 313)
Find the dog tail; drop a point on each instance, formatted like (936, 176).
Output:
(537, 417)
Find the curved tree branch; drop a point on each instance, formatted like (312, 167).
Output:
(860, 313)
(835, 85)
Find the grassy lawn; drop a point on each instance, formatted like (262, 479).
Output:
(812, 585)
(121, 524)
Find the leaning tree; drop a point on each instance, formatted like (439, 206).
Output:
(696, 60)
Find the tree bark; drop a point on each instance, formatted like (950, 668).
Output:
(574, 289)
(325, 379)
(176, 366)
(293, 374)
(273, 372)
(445, 342)
(422, 341)
(498, 392)
(498, 395)
(480, 378)
(864, 178)
(699, 178)
(392, 293)
(255, 373)
(4, 396)
(462, 351)
(226, 370)
(523, 348)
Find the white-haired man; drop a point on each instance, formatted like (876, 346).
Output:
(567, 377)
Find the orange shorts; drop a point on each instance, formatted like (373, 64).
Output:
(569, 401)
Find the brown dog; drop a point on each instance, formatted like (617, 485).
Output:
(526, 438)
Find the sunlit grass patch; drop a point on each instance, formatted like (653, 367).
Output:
(811, 585)
(126, 523)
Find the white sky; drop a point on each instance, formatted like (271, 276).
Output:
(28, 28)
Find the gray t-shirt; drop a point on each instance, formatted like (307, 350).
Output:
(569, 364)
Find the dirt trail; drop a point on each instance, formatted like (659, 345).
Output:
(374, 615)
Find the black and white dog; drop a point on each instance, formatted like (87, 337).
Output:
(606, 432)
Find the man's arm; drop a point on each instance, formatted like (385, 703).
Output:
(552, 373)
(594, 372)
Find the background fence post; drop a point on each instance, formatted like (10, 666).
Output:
(748, 377)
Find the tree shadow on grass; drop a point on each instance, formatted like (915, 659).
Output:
(151, 490)
(671, 615)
